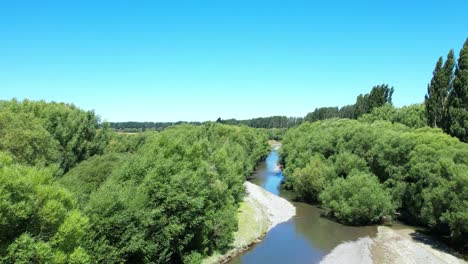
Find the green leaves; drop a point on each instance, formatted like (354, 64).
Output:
(37, 220)
(174, 200)
(458, 98)
(379, 96)
(419, 172)
(311, 180)
(40, 133)
(71, 232)
(358, 199)
(447, 95)
(23, 136)
(412, 116)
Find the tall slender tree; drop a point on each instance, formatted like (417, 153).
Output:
(458, 99)
(432, 98)
(448, 76)
(438, 91)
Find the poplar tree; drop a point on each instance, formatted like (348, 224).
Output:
(458, 99)
(379, 96)
(437, 92)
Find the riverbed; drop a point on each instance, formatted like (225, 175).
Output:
(307, 237)
(310, 238)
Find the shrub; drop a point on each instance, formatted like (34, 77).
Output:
(358, 199)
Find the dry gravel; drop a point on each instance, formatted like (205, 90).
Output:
(277, 209)
(392, 247)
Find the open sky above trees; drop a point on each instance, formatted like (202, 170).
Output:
(181, 60)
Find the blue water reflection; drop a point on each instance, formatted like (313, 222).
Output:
(273, 176)
(306, 238)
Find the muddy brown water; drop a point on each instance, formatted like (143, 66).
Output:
(307, 237)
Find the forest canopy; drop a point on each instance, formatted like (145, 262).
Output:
(419, 173)
(74, 192)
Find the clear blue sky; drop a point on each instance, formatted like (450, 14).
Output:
(199, 60)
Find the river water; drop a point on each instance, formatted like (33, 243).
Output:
(307, 237)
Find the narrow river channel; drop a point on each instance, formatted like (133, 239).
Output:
(306, 238)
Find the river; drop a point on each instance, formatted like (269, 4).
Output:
(307, 237)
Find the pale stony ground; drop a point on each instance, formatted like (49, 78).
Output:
(278, 210)
(392, 246)
(259, 213)
(356, 252)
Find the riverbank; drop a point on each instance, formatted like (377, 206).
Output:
(259, 212)
(390, 246)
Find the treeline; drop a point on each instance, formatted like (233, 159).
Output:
(379, 96)
(260, 122)
(167, 197)
(265, 122)
(134, 127)
(445, 104)
(411, 116)
(366, 173)
(365, 103)
(389, 163)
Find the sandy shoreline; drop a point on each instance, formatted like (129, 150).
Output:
(391, 246)
(259, 213)
(277, 209)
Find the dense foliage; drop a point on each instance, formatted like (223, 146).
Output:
(38, 219)
(447, 95)
(259, 122)
(341, 162)
(266, 122)
(165, 197)
(76, 132)
(411, 116)
(378, 96)
(358, 199)
(177, 198)
(133, 127)
(86, 178)
(24, 137)
(365, 103)
(323, 113)
(127, 142)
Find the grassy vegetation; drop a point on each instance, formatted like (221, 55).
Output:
(253, 223)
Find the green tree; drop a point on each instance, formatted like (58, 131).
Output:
(379, 95)
(86, 178)
(411, 116)
(176, 198)
(79, 256)
(438, 90)
(347, 162)
(72, 232)
(358, 199)
(77, 132)
(38, 223)
(25, 138)
(423, 170)
(458, 98)
(26, 249)
(309, 181)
